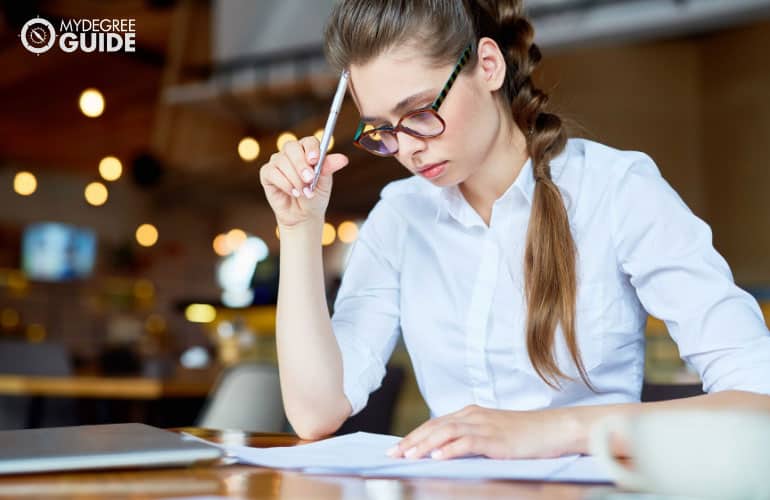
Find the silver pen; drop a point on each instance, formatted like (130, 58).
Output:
(339, 95)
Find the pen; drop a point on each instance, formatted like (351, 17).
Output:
(339, 95)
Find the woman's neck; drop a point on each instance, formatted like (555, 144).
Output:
(500, 169)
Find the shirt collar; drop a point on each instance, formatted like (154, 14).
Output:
(452, 200)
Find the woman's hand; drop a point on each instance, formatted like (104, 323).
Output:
(286, 179)
(498, 434)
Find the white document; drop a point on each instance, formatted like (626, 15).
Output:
(583, 470)
(364, 454)
(351, 452)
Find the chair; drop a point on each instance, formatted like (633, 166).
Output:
(664, 392)
(377, 416)
(246, 397)
(45, 359)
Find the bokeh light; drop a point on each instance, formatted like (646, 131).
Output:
(24, 183)
(110, 168)
(347, 231)
(96, 194)
(200, 313)
(329, 234)
(284, 138)
(147, 235)
(235, 238)
(221, 247)
(91, 103)
(248, 149)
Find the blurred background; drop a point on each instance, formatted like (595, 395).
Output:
(139, 257)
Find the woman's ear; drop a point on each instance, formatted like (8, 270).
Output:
(491, 63)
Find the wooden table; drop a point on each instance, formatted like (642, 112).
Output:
(88, 386)
(237, 481)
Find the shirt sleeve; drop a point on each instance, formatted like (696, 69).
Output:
(680, 278)
(366, 318)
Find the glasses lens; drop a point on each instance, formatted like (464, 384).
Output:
(381, 142)
(424, 123)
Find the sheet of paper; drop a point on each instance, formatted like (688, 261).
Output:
(351, 452)
(364, 454)
(476, 468)
(583, 470)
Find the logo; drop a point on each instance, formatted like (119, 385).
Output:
(38, 35)
(84, 35)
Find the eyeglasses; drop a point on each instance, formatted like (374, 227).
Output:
(423, 123)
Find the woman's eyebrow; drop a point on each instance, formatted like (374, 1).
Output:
(403, 105)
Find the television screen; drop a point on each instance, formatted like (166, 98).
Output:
(57, 252)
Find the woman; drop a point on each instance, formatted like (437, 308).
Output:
(518, 266)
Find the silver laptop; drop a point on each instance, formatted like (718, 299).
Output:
(100, 447)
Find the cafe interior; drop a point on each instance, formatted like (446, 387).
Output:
(139, 257)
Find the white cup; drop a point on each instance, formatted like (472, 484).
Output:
(707, 454)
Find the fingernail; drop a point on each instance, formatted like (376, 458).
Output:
(436, 454)
(295, 192)
(308, 193)
(392, 451)
(307, 175)
(312, 155)
(410, 452)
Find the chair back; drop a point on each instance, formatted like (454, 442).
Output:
(664, 392)
(246, 397)
(45, 359)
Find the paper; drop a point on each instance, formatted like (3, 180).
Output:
(351, 452)
(477, 468)
(364, 454)
(583, 470)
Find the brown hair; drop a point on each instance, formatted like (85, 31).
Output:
(360, 30)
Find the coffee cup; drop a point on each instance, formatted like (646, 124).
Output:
(705, 454)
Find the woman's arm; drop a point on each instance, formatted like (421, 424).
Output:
(578, 421)
(309, 358)
(505, 434)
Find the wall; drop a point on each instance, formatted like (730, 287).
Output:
(700, 107)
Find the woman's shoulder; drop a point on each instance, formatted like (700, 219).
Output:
(591, 174)
(600, 159)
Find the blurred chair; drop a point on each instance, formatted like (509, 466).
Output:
(44, 359)
(246, 397)
(664, 392)
(377, 416)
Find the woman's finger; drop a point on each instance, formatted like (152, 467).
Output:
(282, 163)
(301, 160)
(271, 176)
(442, 435)
(469, 444)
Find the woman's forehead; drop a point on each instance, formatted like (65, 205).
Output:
(384, 81)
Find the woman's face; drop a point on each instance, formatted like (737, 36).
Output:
(400, 81)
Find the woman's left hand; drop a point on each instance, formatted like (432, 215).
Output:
(501, 434)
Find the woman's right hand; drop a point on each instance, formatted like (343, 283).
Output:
(286, 179)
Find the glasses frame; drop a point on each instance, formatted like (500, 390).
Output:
(432, 108)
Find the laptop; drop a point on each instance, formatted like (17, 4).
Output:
(89, 447)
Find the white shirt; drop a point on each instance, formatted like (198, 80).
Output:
(426, 266)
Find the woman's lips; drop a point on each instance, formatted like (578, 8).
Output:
(433, 170)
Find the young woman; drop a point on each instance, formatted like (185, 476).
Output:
(519, 266)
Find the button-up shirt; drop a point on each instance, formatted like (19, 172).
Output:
(427, 267)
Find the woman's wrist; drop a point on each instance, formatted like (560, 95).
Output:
(308, 225)
(570, 424)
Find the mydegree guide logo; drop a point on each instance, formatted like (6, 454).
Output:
(38, 35)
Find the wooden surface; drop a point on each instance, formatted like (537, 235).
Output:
(106, 387)
(237, 481)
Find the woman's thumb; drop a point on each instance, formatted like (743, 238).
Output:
(333, 163)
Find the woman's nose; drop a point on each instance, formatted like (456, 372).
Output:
(409, 145)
